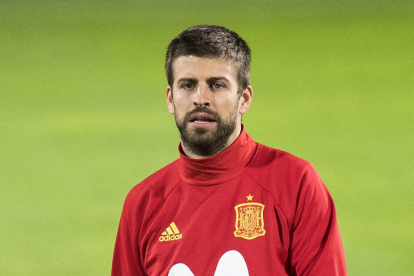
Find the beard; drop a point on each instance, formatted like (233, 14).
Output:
(207, 142)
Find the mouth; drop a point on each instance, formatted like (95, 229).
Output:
(202, 118)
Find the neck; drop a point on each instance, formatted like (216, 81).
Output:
(220, 167)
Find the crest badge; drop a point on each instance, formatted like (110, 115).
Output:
(249, 220)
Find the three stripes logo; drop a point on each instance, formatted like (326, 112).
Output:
(171, 233)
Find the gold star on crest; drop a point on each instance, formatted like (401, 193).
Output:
(249, 197)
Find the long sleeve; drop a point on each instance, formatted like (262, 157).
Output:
(316, 247)
(126, 258)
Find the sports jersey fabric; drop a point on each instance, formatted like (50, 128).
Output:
(249, 210)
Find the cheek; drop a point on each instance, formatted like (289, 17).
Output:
(182, 100)
(230, 103)
(181, 106)
(225, 99)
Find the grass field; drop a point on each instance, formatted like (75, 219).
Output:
(83, 118)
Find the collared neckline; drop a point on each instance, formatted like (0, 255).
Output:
(220, 167)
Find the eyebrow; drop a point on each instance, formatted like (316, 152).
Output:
(213, 79)
(194, 80)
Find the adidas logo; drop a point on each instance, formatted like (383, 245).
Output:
(171, 233)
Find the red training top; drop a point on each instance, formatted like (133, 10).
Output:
(249, 210)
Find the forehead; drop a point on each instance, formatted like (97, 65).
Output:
(203, 68)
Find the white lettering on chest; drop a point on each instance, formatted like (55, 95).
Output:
(231, 263)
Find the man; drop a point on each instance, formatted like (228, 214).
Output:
(228, 205)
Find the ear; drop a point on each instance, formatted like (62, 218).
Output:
(170, 100)
(245, 100)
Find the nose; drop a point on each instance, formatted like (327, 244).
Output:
(202, 96)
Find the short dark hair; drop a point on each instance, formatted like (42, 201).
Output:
(212, 42)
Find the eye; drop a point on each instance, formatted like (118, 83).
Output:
(217, 85)
(187, 86)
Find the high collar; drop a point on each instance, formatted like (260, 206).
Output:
(220, 167)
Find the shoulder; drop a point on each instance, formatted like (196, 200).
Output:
(155, 187)
(285, 176)
(279, 162)
(287, 168)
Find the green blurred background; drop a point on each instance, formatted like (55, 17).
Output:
(83, 118)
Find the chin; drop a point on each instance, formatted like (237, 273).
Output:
(201, 131)
(201, 135)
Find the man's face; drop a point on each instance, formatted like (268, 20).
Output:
(206, 104)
